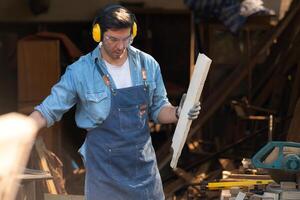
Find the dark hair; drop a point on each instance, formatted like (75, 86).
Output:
(114, 16)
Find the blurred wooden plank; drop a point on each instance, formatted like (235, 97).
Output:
(17, 134)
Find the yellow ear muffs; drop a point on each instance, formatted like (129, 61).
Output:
(134, 30)
(96, 33)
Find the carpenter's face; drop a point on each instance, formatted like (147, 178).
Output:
(115, 42)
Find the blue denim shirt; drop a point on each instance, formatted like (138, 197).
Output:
(82, 85)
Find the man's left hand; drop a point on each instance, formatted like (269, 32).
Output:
(194, 111)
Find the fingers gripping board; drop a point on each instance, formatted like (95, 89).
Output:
(193, 96)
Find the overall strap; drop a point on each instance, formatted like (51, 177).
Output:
(143, 69)
(105, 77)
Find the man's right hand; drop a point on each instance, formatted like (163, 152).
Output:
(40, 121)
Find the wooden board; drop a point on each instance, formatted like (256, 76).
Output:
(193, 96)
(38, 70)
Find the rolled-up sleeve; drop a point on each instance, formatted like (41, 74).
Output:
(159, 99)
(61, 99)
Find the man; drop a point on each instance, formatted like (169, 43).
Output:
(116, 87)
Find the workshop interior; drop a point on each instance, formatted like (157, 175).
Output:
(245, 144)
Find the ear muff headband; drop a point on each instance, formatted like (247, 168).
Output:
(96, 32)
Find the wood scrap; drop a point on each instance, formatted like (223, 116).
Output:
(49, 162)
(40, 148)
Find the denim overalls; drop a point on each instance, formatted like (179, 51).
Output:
(118, 155)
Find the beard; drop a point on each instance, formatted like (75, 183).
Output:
(116, 54)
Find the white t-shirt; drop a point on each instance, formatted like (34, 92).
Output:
(120, 74)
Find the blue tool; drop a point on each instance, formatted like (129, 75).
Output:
(288, 156)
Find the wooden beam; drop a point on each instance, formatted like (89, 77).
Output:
(278, 55)
(294, 129)
(287, 60)
(295, 91)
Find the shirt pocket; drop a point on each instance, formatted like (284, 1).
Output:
(98, 105)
